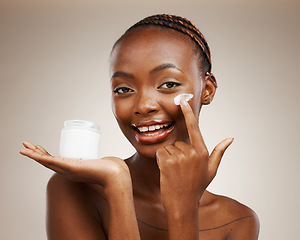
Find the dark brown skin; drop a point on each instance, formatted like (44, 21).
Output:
(159, 192)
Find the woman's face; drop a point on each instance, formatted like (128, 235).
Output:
(148, 68)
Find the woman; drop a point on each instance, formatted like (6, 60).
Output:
(160, 191)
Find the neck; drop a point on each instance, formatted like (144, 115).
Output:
(145, 175)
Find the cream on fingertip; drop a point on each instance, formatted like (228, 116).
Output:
(186, 96)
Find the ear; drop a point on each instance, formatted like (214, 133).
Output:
(209, 89)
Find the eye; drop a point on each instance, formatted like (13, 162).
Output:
(122, 90)
(169, 85)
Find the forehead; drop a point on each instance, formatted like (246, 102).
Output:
(153, 46)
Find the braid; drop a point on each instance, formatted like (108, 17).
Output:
(182, 25)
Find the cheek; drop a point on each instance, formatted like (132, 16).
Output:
(168, 105)
(120, 109)
(195, 102)
(196, 105)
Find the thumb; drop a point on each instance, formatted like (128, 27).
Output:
(216, 156)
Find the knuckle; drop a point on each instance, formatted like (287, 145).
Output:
(170, 161)
(193, 152)
(181, 156)
(179, 144)
(173, 161)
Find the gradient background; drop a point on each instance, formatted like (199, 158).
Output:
(54, 66)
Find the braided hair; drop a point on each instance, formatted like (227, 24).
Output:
(184, 26)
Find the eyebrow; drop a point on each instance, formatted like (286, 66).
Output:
(154, 70)
(122, 74)
(164, 66)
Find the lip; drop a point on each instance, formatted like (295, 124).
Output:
(159, 136)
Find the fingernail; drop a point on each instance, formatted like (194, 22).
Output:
(183, 102)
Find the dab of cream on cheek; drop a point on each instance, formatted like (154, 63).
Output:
(186, 96)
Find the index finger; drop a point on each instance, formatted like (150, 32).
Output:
(191, 122)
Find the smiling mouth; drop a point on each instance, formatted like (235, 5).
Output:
(152, 134)
(152, 129)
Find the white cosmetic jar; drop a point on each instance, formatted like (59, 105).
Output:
(80, 139)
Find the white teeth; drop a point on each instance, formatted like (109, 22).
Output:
(143, 129)
(152, 127)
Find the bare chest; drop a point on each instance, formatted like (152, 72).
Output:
(153, 224)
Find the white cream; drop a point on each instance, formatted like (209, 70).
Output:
(186, 96)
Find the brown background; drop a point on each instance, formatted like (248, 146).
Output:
(54, 67)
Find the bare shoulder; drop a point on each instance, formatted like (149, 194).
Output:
(231, 216)
(70, 205)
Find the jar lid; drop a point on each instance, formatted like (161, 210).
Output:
(83, 124)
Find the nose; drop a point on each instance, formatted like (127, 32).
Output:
(145, 104)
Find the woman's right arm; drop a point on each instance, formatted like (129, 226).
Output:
(68, 215)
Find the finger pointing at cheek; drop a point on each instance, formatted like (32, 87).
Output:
(192, 125)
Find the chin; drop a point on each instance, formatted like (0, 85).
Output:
(148, 154)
